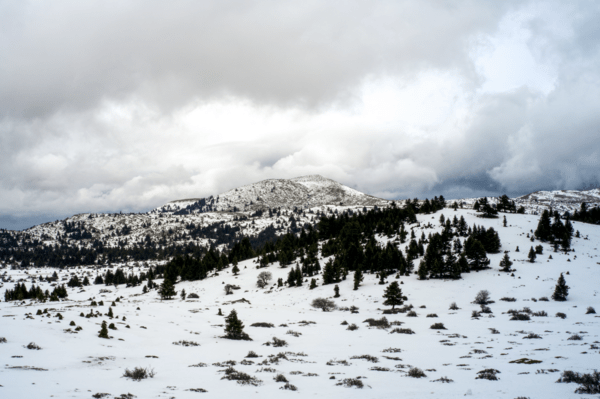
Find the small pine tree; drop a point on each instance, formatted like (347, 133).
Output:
(234, 328)
(505, 263)
(381, 278)
(183, 294)
(561, 291)
(393, 295)
(313, 284)
(167, 289)
(358, 278)
(504, 221)
(103, 333)
(235, 269)
(337, 291)
(110, 313)
(531, 255)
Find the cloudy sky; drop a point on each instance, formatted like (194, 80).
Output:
(125, 105)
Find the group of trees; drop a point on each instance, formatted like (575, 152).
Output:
(557, 232)
(587, 215)
(20, 292)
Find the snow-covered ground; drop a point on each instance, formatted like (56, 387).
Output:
(79, 365)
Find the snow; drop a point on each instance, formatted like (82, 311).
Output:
(79, 365)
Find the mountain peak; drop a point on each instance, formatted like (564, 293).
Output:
(299, 192)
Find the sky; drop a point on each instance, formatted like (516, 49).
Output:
(109, 106)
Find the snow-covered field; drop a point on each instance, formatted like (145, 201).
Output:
(79, 365)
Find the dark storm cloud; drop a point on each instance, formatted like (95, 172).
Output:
(72, 54)
(120, 105)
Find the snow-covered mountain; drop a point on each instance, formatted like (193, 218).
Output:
(558, 200)
(301, 192)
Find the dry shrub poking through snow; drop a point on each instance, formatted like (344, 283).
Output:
(280, 378)
(2, 340)
(351, 382)
(412, 313)
(294, 333)
(589, 383)
(276, 342)
(487, 374)
(381, 323)
(575, 337)
(453, 306)
(443, 379)
(432, 315)
(232, 374)
(507, 299)
(372, 359)
(139, 373)
(416, 372)
(32, 345)
(520, 316)
(402, 331)
(262, 324)
(326, 305)
(186, 343)
(352, 327)
(532, 336)
(438, 326)
(252, 354)
(289, 387)
(561, 315)
(590, 310)
(193, 295)
(482, 298)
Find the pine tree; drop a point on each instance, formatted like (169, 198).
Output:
(337, 291)
(393, 295)
(504, 222)
(561, 291)
(183, 294)
(167, 289)
(358, 278)
(234, 328)
(505, 263)
(235, 269)
(422, 271)
(313, 284)
(110, 313)
(531, 255)
(103, 333)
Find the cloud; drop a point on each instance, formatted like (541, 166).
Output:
(111, 106)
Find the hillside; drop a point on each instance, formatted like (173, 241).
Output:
(181, 340)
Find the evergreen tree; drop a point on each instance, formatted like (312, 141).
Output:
(504, 221)
(234, 328)
(313, 284)
(183, 294)
(110, 313)
(358, 278)
(393, 295)
(235, 269)
(103, 333)
(337, 291)
(531, 255)
(167, 289)
(561, 291)
(422, 271)
(505, 263)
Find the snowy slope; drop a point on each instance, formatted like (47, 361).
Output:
(80, 365)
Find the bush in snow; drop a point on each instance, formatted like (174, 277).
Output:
(326, 305)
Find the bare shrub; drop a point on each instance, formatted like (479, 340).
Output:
(443, 379)
(381, 323)
(262, 324)
(453, 306)
(232, 374)
(590, 310)
(193, 295)
(438, 326)
(139, 373)
(186, 343)
(326, 305)
(263, 279)
(532, 336)
(589, 383)
(520, 316)
(412, 313)
(482, 298)
(276, 342)
(561, 315)
(544, 299)
(289, 387)
(507, 299)
(294, 333)
(402, 331)
(33, 346)
(487, 374)
(416, 372)
(252, 354)
(541, 313)
(351, 382)
(3, 340)
(575, 337)
(352, 327)
(432, 315)
(280, 378)
(372, 359)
